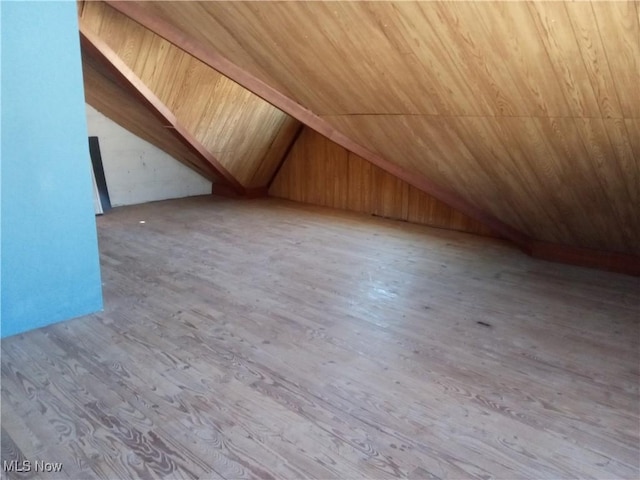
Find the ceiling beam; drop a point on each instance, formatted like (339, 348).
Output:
(129, 80)
(116, 103)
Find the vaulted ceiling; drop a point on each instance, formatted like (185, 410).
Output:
(237, 134)
(108, 91)
(524, 115)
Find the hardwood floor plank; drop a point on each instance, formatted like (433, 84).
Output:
(265, 339)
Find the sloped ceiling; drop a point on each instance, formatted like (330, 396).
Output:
(321, 172)
(108, 92)
(241, 134)
(528, 111)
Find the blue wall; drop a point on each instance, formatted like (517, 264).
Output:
(50, 268)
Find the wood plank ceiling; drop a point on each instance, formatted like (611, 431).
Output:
(110, 94)
(245, 135)
(142, 101)
(528, 110)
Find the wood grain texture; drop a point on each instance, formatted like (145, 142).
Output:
(247, 135)
(454, 77)
(595, 192)
(320, 172)
(619, 28)
(327, 345)
(128, 78)
(501, 58)
(220, 63)
(113, 98)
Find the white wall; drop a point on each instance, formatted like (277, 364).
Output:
(138, 172)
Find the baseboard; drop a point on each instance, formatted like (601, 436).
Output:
(225, 190)
(584, 257)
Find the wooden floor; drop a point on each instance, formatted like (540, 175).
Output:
(263, 339)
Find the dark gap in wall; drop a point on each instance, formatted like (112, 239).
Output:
(98, 171)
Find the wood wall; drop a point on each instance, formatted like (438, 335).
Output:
(320, 172)
(246, 135)
(108, 95)
(529, 110)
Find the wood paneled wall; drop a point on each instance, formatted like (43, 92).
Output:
(320, 172)
(529, 110)
(107, 95)
(247, 135)
(536, 174)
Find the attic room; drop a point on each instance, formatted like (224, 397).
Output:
(320, 240)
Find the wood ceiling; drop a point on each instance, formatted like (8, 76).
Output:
(525, 115)
(107, 91)
(243, 136)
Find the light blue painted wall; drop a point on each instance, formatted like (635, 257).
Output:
(50, 268)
